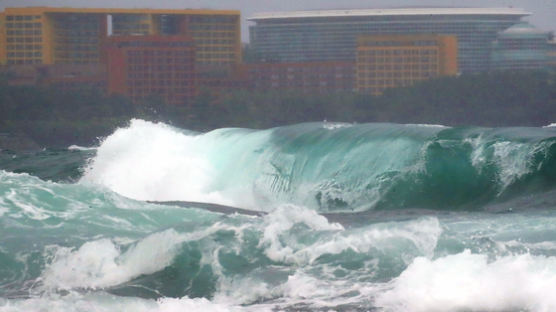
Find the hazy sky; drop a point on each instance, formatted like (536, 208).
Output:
(544, 11)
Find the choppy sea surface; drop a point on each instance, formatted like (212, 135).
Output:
(349, 217)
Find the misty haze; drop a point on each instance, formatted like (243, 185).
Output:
(394, 156)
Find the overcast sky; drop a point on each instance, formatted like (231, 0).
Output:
(543, 11)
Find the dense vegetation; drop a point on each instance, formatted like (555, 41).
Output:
(53, 118)
(490, 99)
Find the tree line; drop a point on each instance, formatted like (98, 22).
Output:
(56, 118)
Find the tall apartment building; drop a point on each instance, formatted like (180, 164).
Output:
(307, 36)
(46, 35)
(142, 66)
(521, 46)
(390, 61)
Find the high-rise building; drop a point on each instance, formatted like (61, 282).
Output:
(143, 66)
(521, 46)
(47, 35)
(390, 61)
(332, 35)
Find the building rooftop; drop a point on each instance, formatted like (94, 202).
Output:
(524, 28)
(386, 12)
(40, 10)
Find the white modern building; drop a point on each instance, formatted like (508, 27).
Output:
(306, 36)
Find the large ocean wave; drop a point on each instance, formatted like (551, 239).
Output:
(328, 167)
(420, 227)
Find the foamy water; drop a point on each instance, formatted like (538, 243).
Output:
(472, 282)
(414, 232)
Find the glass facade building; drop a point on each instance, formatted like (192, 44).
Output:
(332, 35)
(521, 46)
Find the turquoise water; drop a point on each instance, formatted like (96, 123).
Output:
(370, 217)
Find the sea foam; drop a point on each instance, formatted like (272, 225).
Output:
(102, 302)
(346, 169)
(101, 263)
(470, 282)
(148, 161)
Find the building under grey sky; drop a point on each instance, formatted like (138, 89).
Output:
(309, 36)
(543, 11)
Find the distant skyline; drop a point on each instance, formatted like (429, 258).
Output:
(543, 11)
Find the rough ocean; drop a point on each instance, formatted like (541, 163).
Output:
(349, 217)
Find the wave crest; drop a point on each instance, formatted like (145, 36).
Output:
(355, 168)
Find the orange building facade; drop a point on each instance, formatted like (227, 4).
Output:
(388, 61)
(143, 66)
(51, 35)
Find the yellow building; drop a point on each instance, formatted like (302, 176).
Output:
(46, 35)
(387, 61)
